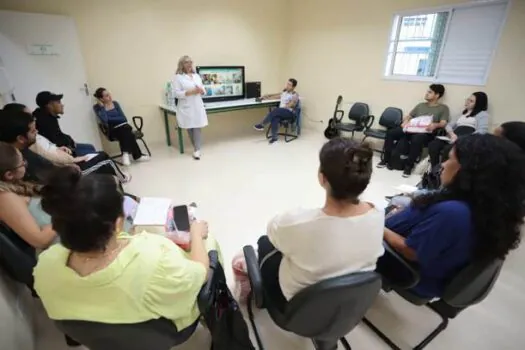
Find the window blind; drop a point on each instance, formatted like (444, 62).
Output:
(471, 40)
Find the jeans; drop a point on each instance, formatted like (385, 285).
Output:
(275, 117)
(416, 144)
(82, 149)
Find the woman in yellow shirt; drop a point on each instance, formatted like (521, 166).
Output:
(100, 274)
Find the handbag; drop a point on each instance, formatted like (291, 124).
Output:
(222, 314)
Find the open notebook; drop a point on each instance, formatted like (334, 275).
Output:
(152, 214)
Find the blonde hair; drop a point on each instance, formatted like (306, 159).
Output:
(21, 188)
(180, 65)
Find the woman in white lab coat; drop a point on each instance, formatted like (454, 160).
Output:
(191, 114)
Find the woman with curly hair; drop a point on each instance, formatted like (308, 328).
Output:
(476, 215)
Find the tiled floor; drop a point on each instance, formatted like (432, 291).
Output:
(240, 184)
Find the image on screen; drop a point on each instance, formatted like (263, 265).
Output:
(222, 83)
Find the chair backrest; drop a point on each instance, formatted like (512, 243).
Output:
(472, 284)
(332, 308)
(159, 334)
(17, 257)
(358, 112)
(391, 117)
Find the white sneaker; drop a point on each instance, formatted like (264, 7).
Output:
(126, 161)
(197, 155)
(143, 158)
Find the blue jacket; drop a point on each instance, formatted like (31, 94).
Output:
(113, 118)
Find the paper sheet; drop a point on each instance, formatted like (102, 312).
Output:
(90, 156)
(152, 211)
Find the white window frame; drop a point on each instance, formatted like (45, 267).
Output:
(450, 8)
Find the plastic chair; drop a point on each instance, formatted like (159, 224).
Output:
(292, 128)
(324, 312)
(390, 118)
(469, 287)
(157, 334)
(138, 122)
(17, 257)
(360, 119)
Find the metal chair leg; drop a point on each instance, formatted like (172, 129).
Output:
(381, 334)
(145, 146)
(345, 343)
(440, 328)
(252, 322)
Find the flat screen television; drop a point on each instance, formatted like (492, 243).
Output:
(222, 83)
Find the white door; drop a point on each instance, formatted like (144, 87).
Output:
(59, 69)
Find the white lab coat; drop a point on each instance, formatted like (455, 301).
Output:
(190, 109)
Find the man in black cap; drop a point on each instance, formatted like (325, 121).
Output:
(49, 109)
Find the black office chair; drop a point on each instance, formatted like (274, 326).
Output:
(324, 312)
(292, 127)
(390, 118)
(158, 334)
(138, 122)
(469, 287)
(360, 119)
(17, 258)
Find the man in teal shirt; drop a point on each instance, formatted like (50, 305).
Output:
(417, 141)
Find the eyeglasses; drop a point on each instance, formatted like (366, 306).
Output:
(24, 164)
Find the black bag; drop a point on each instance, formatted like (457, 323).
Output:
(431, 179)
(222, 314)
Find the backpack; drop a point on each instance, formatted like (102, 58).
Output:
(398, 157)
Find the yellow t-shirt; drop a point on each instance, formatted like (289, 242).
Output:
(150, 278)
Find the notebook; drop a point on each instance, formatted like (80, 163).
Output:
(152, 215)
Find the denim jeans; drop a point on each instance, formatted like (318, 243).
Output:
(82, 149)
(275, 117)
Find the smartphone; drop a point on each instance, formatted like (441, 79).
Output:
(181, 217)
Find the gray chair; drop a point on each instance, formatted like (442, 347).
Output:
(157, 334)
(469, 287)
(360, 119)
(324, 312)
(390, 118)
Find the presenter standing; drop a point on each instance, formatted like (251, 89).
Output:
(191, 114)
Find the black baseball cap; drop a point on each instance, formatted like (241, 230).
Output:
(44, 97)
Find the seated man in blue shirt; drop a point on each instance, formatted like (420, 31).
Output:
(289, 99)
(476, 216)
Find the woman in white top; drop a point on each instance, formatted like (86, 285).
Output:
(345, 235)
(191, 114)
(473, 120)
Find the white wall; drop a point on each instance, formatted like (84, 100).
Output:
(62, 73)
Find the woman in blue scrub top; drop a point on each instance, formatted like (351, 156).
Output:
(476, 215)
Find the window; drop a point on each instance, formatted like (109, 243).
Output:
(449, 45)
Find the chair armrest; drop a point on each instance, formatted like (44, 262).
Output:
(369, 121)
(138, 122)
(392, 263)
(342, 113)
(254, 274)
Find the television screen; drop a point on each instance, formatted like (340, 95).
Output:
(222, 83)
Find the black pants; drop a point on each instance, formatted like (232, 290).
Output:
(438, 151)
(269, 263)
(416, 143)
(125, 137)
